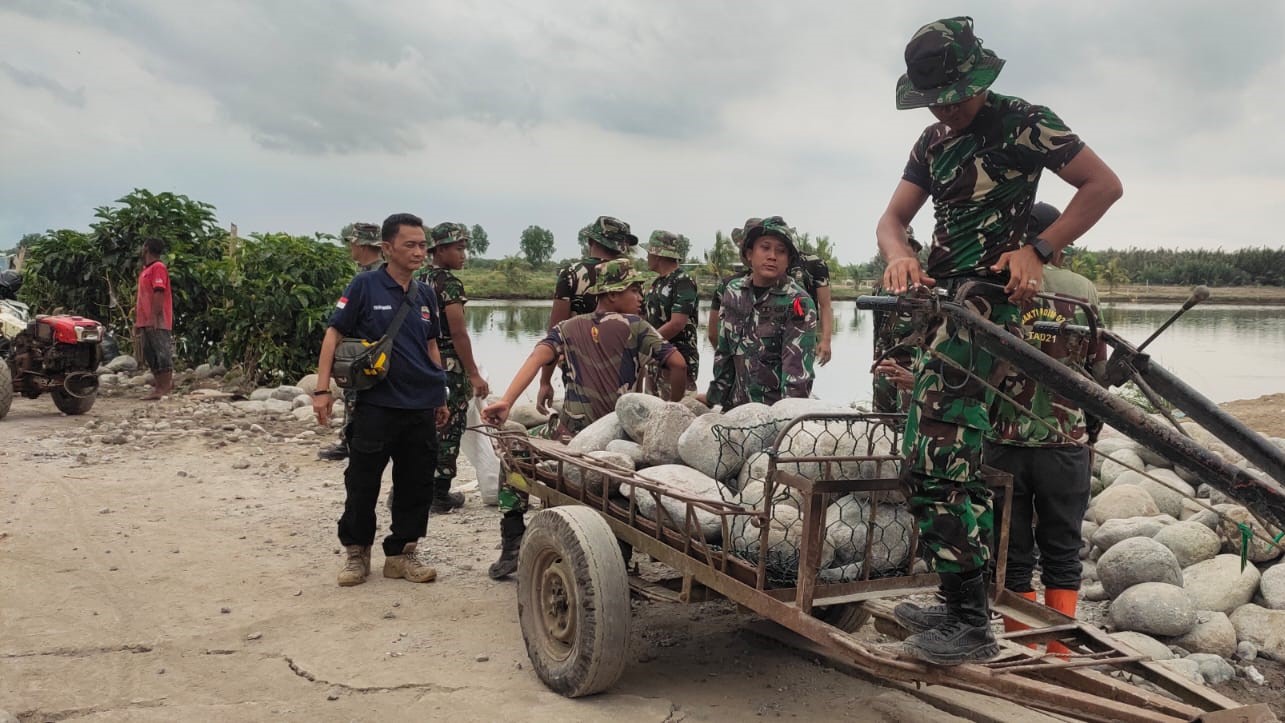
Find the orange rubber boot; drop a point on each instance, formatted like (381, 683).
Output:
(1011, 625)
(1065, 602)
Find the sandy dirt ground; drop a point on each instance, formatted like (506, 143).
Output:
(159, 580)
(159, 567)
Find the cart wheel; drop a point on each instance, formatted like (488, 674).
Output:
(848, 617)
(573, 601)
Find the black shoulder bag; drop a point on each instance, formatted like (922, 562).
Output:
(360, 364)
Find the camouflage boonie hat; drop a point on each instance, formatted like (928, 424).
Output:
(667, 244)
(772, 225)
(448, 233)
(615, 275)
(738, 234)
(358, 232)
(609, 232)
(945, 63)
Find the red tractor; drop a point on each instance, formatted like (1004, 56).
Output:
(55, 354)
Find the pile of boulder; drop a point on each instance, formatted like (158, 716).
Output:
(686, 448)
(1165, 550)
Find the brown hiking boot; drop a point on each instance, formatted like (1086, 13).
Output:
(408, 566)
(356, 565)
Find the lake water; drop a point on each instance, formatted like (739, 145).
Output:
(1225, 352)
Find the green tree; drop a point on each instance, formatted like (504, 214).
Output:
(720, 259)
(515, 272)
(537, 245)
(1113, 274)
(480, 242)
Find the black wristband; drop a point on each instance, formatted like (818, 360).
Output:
(320, 392)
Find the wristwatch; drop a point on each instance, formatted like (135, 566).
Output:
(1043, 248)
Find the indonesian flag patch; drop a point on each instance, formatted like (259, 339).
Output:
(343, 301)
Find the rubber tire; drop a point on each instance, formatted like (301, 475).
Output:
(70, 405)
(848, 617)
(572, 550)
(6, 388)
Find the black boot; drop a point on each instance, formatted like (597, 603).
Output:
(918, 618)
(334, 453)
(512, 528)
(965, 636)
(446, 501)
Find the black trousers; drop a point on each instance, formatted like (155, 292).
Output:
(409, 438)
(1050, 495)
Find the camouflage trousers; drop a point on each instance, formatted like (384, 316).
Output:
(459, 391)
(946, 425)
(657, 377)
(514, 496)
(886, 398)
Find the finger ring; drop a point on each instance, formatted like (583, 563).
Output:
(1032, 283)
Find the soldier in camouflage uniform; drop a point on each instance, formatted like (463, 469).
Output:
(768, 329)
(809, 271)
(364, 244)
(448, 242)
(893, 354)
(606, 238)
(672, 304)
(981, 165)
(1050, 468)
(604, 354)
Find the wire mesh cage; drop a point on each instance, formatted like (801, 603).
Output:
(867, 530)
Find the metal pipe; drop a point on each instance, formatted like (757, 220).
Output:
(1198, 294)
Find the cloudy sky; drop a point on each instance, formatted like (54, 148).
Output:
(682, 114)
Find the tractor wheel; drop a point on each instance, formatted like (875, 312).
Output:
(573, 601)
(6, 388)
(69, 405)
(848, 617)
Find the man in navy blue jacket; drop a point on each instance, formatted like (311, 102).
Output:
(397, 418)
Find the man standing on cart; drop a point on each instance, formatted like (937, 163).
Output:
(981, 165)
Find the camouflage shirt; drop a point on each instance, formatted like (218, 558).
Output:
(603, 355)
(450, 290)
(766, 344)
(808, 271)
(891, 332)
(1017, 428)
(574, 281)
(675, 294)
(983, 180)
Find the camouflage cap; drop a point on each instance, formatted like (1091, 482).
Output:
(667, 244)
(610, 233)
(359, 232)
(615, 275)
(770, 226)
(945, 63)
(448, 232)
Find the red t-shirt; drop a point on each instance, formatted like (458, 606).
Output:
(154, 277)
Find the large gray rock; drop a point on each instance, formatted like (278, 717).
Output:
(754, 470)
(287, 393)
(1262, 627)
(698, 407)
(302, 414)
(261, 394)
(784, 535)
(1213, 668)
(1219, 584)
(1155, 608)
(1188, 669)
(1114, 467)
(1165, 487)
(1190, 542)
(1213, 634)
(686, 481)
(1153, 459)
(1144, 644)
(1113, 531)
(1137, 560)
(278, 406)
(595, 437)
(847, 525)
(786, 409)
(635, 412)
(751, 496)
(1123, 501)
(1272, 586)
(633, 450)
(123, 363)
(525, 414)
(665, 427)
(714, 455)
(1261, 548)
(307, 383)
(837, 438)
(303, 400)
(594, 480)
